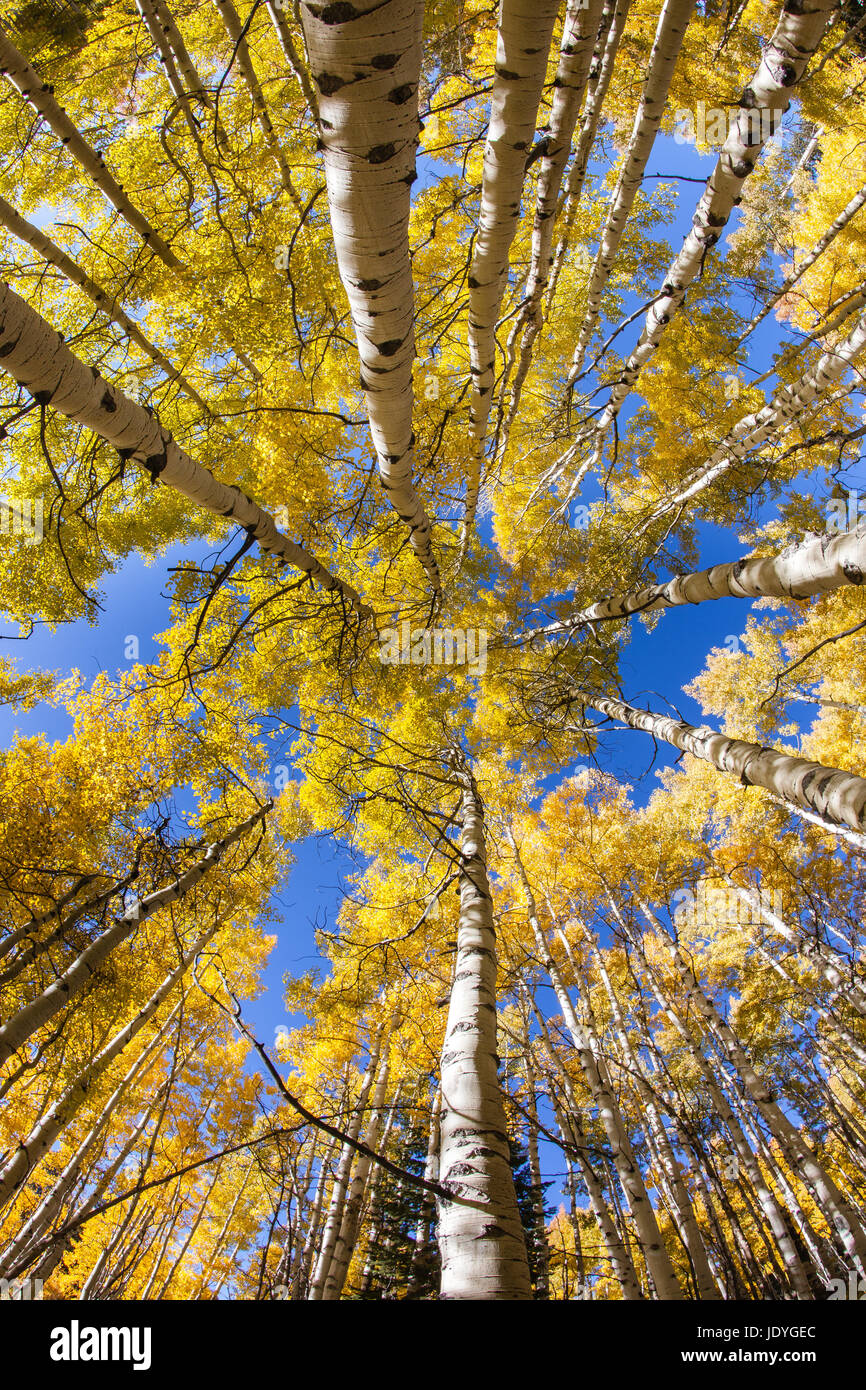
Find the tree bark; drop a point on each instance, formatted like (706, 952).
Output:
(523, 43)
(367, 70)
(37, 93)
(37, 358)
(839, 796)
(483, 1251)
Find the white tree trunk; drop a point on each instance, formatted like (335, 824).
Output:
(43, 1135)
(46, 248)
(350, 1224)
(579, 33)
(235, 31)
(22, 76)
(618, 1253)
(293, 57)
(816, 566)
(683, 1212)
(836, 226)
(523, 43)
(613, 18)
(671, 30)
(367, 71)
(37, 358)
(628, 1171)
(483, 1251)
(837, 795)
(331, 1232)
(762, 104)
(769, 423)
(39, 1011)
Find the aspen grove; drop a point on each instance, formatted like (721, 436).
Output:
(449, 369)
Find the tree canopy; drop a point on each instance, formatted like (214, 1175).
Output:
(428, 354)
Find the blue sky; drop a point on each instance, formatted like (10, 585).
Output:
(652, 666)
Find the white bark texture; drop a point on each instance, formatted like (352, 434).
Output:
(627, 1168)
(613, 18)
(37, 358)
(50, 1204)
(243, 57)
(667, 1164)
(839, 796)
(817, 566)
(367, 69)
(579, 35)
(337, 1203)
(188, 71)
(836, 226)
(834, 1205)
(167, 62)
(783, 62)
(483, 1250)
(772, 420)
(22, 1025)
(769, 1207)
(672, 25)
(14, 66)
(46, 248)
(350, 1224)
(29, 1151)
(522, 47)
(568, 1118)
(293, 57)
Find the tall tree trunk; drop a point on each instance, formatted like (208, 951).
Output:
(837, 795)
(618, 1253)
(683, 1211)
(41, 1010)
(817, 566)
(628, 1171)
(762, 105)
(829, 1199)
(40, 1139)
(613, 18)
(579, 34)
(38, 359)
(348, 1234)
(367, 69)
(39, 95)
(671, 31)
(43, 246)
(523, 43)
(331, 1232)
(483, 1247)
(243, 57)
